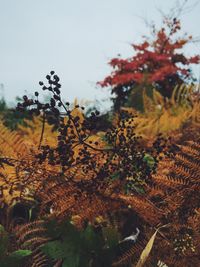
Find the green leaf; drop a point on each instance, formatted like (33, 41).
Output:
(149, 160)
(54, 250)
(68, 247)
(91, 240)
(70, 233)
(78, 248)
(66, 230)
(19, 254)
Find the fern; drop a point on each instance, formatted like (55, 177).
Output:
(171, 198)
(32, 236)
(167, 115)
(73, 173)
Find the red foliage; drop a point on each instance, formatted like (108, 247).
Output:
(154, 62)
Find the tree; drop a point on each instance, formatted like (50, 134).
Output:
(159, 63)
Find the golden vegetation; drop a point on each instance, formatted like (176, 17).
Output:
(163, 115)
(93, 184)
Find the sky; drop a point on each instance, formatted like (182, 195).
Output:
(76, 39)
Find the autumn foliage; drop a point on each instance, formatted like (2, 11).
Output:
(159, 62)
(72, 195)
(66, 185)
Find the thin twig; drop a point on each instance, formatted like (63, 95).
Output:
(42, 133)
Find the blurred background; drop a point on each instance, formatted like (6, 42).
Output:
(77, 39)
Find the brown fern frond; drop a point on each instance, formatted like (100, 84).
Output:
(31, 236)
(67, 200)
(130, 255)
(183, 160)
(180, 202)
(144, 208)
(190, 150)
(11, 143)
(39, 260)
(169, 181)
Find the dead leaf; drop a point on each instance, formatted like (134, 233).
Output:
(145, 253)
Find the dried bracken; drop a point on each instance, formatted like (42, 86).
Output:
(68, 171)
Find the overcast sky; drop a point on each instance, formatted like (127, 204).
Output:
(76, 38)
